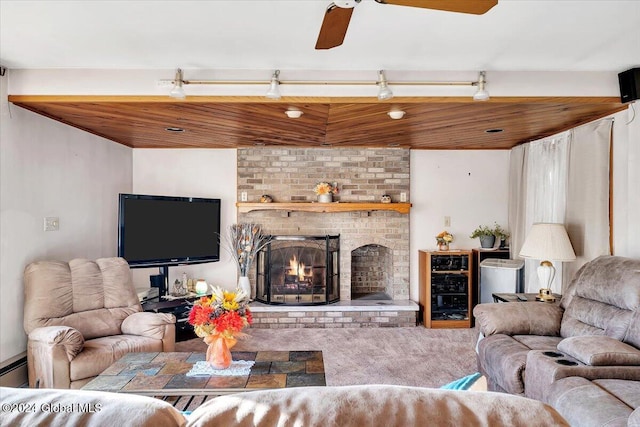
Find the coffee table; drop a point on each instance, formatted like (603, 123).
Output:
(164, 374)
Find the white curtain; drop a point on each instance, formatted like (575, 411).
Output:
(562, 179)
(548, 162)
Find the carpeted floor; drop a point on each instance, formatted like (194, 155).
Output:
(404, 356)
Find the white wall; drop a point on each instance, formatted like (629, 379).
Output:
(626, 182)
(195, 173)
(51, 169)
(471, 187)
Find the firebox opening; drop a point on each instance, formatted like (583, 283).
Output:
(372, 272)
(299, 270)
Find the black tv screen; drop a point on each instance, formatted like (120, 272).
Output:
(162, 230)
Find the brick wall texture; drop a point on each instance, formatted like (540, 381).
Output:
(362, 175)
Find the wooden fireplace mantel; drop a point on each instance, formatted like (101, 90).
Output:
(402, 208)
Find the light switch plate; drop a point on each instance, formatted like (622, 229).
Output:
(51, 223)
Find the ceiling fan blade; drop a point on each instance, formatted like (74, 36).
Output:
(476, 7)
(334, 27)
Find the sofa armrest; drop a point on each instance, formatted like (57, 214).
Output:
(147, 324)
(598, 350)
(546, 367)
(68, 338)
(518, 318)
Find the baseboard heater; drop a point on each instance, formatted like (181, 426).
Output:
(13, 372)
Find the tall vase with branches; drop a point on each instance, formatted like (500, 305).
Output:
(243, 242)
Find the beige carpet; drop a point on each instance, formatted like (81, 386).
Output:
(404, 356)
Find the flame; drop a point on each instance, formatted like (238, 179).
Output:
(297, 268)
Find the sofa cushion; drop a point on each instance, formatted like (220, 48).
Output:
(602, 297)
(372, 405)
(626, 391)
(588, 317)
(62, 408)
(574, 398)
(538, 342)
(633, 333)
(503, 358)
(100, 353)
(92, 297)
(600, 351)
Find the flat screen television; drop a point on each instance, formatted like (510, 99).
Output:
(163, 231)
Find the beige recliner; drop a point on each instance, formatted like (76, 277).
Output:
(82, 316)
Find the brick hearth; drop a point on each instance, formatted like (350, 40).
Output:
(343, 314)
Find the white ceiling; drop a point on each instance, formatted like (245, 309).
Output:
(516, 35)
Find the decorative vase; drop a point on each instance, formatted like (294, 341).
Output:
(219, 351)
(443, 246)
(325, 198)
(244, 285)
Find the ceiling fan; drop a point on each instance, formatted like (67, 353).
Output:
(338, 14)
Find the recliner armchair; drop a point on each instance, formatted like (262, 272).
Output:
(82, 316)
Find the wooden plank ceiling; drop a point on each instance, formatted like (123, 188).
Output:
(232, 122)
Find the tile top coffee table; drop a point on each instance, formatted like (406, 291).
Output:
(164, 374)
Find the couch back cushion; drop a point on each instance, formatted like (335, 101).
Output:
(603, 299)
(93, 297)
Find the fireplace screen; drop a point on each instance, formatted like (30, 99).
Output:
(299, 270)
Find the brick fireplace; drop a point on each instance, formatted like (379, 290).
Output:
(374, 245)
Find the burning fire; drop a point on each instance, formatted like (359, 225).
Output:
(297, 269)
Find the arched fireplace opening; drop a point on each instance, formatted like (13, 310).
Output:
(372, 272)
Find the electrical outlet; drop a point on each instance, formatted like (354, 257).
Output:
(447, 221)
(51, 223)
(165, 83)
(403, 197)
(243, 196)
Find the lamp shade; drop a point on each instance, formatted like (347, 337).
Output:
(547, 241)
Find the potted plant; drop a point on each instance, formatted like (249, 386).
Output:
(486, 235)
(501, 234)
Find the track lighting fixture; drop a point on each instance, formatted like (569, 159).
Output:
(384, 92)
(481, 94)
(177, 91)
(274, 86)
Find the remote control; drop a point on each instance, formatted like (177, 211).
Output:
(521, 297)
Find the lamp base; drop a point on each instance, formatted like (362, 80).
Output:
(545, 295)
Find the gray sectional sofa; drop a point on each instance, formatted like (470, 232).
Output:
(581, 356)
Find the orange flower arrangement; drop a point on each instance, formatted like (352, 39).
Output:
(325, 188)
(223, 314)
(444, 238)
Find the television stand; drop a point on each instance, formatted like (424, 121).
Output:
(179, 307)
(161, 281)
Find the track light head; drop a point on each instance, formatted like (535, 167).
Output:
(481, 94)
(274, 86)
(384, 92)
(178, 91)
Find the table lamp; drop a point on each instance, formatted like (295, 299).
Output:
(201, 287)
(547, 242)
